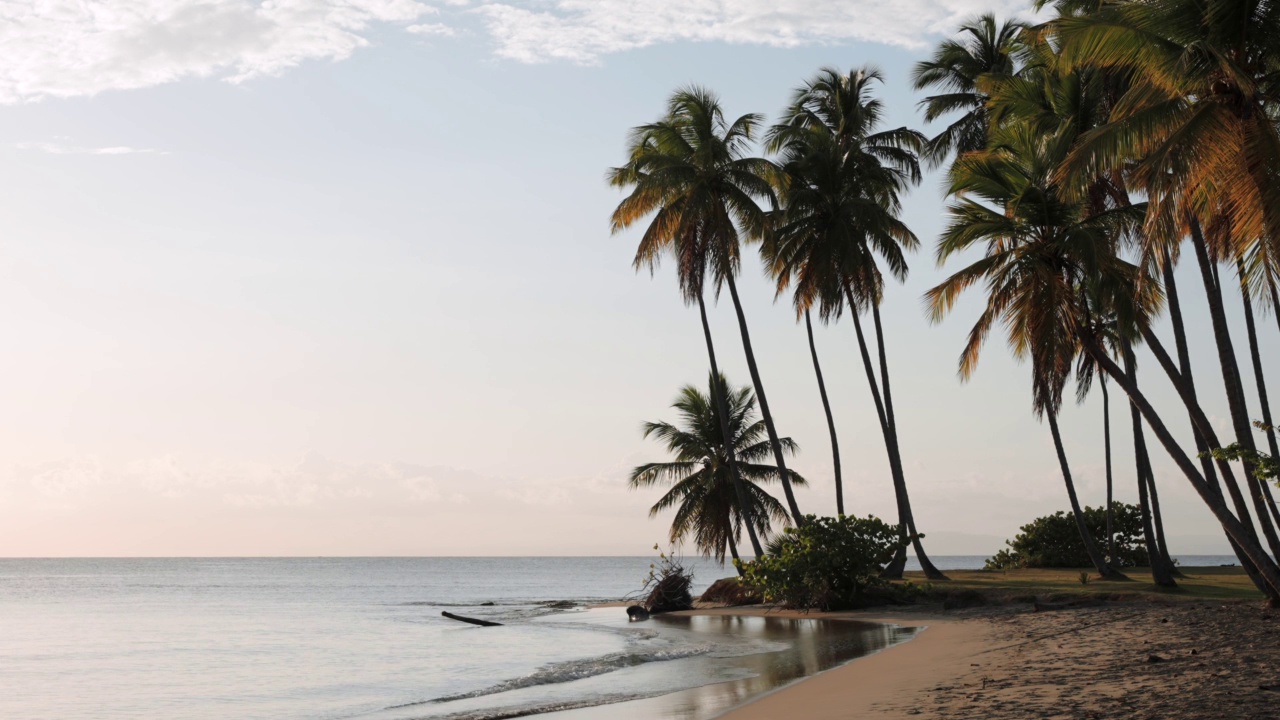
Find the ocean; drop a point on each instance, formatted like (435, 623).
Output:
(331, 638)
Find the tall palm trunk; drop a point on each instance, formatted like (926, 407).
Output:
(764, 406)
(1201, 426)
(1261, 383)
(1234, 387)
(895, 568)
(831, 423)
(1161, 566)
(1106, 444)
(1184, 364)
(1157, 516)
(1184, 371)
(1268, 578)
(1104, 569)
(722, 409)
(1256, 356)
(930, 570)
(906, 524)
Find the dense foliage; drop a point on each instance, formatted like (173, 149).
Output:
(826, 564)
(1053, 541)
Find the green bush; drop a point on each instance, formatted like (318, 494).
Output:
(1053, 541)
(828, 564)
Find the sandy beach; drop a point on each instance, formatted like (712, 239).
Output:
(1142, 660)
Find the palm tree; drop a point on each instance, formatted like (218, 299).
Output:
(1199, 116)
(693, 172)
(701, 482)
(1197, 125)
(844, 178)
(983, 48)
(1041, 250)
(658, 169)
(1107, 331)
(1038, 247)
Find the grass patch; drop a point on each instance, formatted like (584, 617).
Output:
(1201, 583)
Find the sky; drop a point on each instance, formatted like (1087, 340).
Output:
(335, 277)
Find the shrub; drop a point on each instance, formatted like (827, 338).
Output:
(1053, 541)
(828, 564)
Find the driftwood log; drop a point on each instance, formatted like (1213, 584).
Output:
(473, 621)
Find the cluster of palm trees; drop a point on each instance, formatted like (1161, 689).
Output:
(1083, 154)
(825, 215)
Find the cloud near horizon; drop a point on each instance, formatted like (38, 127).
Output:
(64, 49)
(57, 148)
(167, 505)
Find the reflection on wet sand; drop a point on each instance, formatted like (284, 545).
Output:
(814, 645)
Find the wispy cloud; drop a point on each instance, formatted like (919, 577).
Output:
(68, 48)
(583, 31)
(430, 29)
(71, 48)
(54, 148)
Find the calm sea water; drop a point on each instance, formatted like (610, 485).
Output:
(363, 638)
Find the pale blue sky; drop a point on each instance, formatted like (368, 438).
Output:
(336, 278)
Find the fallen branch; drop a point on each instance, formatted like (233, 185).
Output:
(473, 621)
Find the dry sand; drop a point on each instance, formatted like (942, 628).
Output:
(1135, 660)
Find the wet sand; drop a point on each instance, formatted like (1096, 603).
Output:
(804, 646)
(1128, 661)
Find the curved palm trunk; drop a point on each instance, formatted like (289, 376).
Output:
(906, 524)
(1106, 444)
(1200, 425)
(1184, 370)
(1157, 516)
(1184, 365)
(1268, 579)
(1235, 390)
(733, 552)
(1256, 356)
(930, 571)
(831, 423)
(1157, 558)
(1261, 383)
(764, 406)
(744, 506)
(899, 562)
(1090, 547)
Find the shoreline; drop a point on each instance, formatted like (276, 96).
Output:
(860, 686)
(1129, 660)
